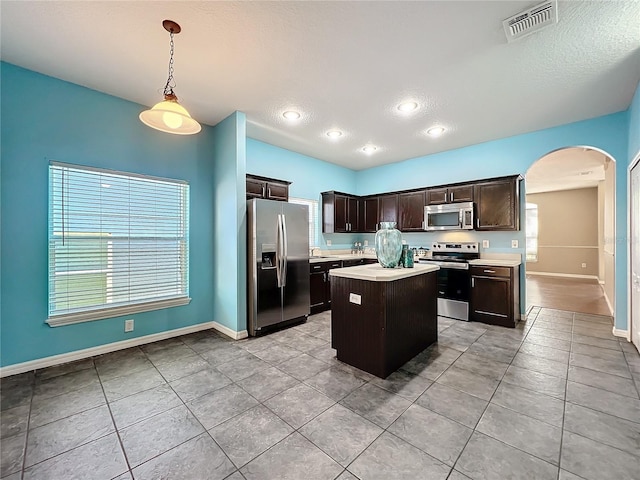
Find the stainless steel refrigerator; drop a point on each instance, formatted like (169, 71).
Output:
(278, 264)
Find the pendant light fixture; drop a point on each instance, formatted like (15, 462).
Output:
(169, 116)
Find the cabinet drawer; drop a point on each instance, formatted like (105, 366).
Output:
(317, 267)
(487, 271)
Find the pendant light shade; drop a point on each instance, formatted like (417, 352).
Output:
(169, 116)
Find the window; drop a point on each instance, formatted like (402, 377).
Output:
(118, 243)
(313, 218)
(532, 232)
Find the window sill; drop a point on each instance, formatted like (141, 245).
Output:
(111, 312)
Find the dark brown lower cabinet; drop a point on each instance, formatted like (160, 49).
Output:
(392, 323)
(320, 285)
(495, 295)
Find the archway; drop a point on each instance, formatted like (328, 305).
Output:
(571, 246)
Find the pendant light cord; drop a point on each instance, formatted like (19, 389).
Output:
(168, 88)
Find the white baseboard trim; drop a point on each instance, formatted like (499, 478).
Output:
(100, 349)
(608, 302)
(621, 333)
(568, 275)
(229, 332)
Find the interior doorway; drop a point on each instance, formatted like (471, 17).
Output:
(570, 231)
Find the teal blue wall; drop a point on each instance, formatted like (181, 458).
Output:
(309, 177)
(47, 119)
(229, 243)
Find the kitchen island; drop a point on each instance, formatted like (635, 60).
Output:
(382, 317)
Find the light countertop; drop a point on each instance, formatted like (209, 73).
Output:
(377, 273)
(346, 256)
(493, 262)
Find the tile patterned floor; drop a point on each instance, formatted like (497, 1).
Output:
(555, 398)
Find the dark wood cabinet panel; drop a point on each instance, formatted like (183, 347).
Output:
(498, 205)
(438, 196)
(320, 285)
(317, 289)
(388, 208)
(461, 194)
(495, 294)
(369, 214)
(339, 213)
(269, 188)
(411, 212)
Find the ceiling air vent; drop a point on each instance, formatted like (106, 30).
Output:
(531, 20)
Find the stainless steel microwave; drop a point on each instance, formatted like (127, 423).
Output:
(450, 216)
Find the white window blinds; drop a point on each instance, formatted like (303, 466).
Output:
(313, 217)
(118, 243)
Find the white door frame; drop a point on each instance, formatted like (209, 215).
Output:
(635, 162)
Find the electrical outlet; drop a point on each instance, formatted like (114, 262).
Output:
(514, 243)
(366, 243)
(328, 243)
(584, 265)
(485, 243)
(128, 325)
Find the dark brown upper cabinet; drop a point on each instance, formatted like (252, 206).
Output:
(369, 214)
(411, 211)
(498, 204)
(438, 196)
(388, 208)
(269, 188)
(339, 213)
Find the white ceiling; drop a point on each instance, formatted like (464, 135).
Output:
(343, 65)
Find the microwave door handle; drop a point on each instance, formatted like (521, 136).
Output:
(461, 218)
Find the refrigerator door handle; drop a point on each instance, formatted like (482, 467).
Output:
(279, 251)
(285, 250)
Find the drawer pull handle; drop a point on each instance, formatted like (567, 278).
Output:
(317, 267)
(489, 271)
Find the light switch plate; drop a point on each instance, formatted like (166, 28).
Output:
(328, 243)
(485, 243)
(514, 243)
(355, 298)
(366, 243)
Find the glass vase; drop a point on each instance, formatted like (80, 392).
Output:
(388, 245)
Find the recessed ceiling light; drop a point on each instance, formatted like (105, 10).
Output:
(334, 133)
(291, 115)
(435, 131)
(369, 149)
(407, 107)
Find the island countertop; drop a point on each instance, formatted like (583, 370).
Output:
(377, 273)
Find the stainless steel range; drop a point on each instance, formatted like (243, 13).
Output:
(454, 281)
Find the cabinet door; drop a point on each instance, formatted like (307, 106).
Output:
(352, 215)
(277, 191)
(328, 283)
(255, 188)
(340, 214)
(411, 211)
(461, 194)
(317, 289)
(369, 221)
(498, 206)
(388, 208)
(491, 300)
(437, 196)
